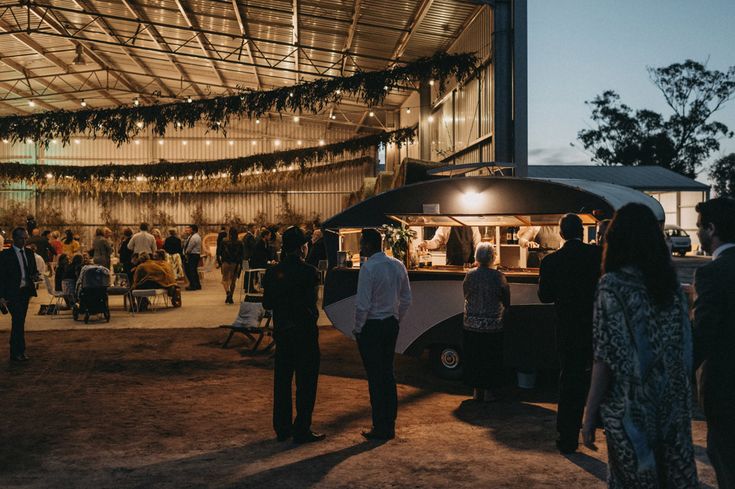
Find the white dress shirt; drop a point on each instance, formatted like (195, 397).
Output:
(720, 249)
(142, 242)
(40, 264)
(193, 244)
(23, 260)
(382, 290)
(442, 236)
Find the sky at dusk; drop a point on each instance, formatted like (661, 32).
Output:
(579, 48)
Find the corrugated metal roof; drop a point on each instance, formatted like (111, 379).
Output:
(646, 178)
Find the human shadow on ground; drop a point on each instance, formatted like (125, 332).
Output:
(591, 465)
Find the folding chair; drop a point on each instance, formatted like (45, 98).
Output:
(56, 296)
(255, 323)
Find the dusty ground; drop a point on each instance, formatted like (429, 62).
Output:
(170, 409)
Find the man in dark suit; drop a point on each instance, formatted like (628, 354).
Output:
(568, 278)
(18, 272)
(290, 291)
(714, 333)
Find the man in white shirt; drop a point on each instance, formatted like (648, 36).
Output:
(461, 242)
(18, 272)
(142, 241)
(192, 252)
(383, 297)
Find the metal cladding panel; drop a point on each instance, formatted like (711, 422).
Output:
(477, 36)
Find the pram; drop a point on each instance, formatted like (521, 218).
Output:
(91, 292)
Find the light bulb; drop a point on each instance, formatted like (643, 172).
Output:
(189, 99)
(321, 142)
(253, 142)
(257, 121)
(137, 141)
(83, 103)
(296, 118)
(338, 91)
(32, 103)
(139, 124)
(430, 118)
(277, 142)
(5, 141)
(371, 114)
(334, 117)
(76, 141)
(136, 102)
(408, 110)
(231, 143)
(207, 142)
(49, 176)
(299, 142)
(431, 83)
(160, 142)
(184, 143)
(54, 141)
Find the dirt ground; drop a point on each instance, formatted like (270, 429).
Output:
(171, 409)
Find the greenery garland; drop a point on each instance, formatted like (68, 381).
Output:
(121, 124)
(164, 174)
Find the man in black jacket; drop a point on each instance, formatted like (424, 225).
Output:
(18, 272)
(714, 333)
(290, 291)
(568, 278)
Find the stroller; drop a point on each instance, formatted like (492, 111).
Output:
(91, 293)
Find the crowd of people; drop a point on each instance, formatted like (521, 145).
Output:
(629, 341)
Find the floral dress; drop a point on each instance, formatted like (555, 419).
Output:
(647, 409)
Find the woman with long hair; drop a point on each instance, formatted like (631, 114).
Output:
(101, 249)
(642, 359)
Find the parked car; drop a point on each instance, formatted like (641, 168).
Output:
(678, 240)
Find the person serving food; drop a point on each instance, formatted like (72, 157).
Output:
(460, 240)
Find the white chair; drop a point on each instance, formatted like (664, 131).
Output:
(56, 296)
(154, 296)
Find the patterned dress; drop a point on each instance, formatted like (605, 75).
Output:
(647, 410)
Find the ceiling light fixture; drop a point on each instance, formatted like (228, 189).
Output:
(79, 57)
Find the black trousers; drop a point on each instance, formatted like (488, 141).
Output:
(297, 353)
(721, 448)
(482, 359)
(377, 343)
(574, 383)
(18, 310)
(191, 270)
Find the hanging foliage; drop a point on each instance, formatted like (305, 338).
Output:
(194, 175)
(121, 124)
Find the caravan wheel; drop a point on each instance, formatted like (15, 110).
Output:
(446, 361)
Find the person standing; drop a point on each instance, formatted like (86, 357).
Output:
(714, 333)
(262, 253)
(126, 255)
(55, 244)
(40, 241)
(641, 378)
(172, 243)
(101, 249)
(383, 297)
(18, 269)
(69, 245)
(142, 241)
(317, 248)
(460, 241)
(290, 291)
(486, 298)
(230, 256)
(568, 278)
(192, 252)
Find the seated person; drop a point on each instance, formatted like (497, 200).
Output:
(152, 274)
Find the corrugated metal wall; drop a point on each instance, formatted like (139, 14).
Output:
(312, 195)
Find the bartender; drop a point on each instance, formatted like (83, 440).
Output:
(544, 239)
(460, 240)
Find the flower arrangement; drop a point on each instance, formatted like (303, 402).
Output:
(398, 238)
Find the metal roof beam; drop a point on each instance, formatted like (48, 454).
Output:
(246, 35)
(295, 39)
(26, 95)
(106, 27)
(413, 24)
(351, 35)
(159, 41)
(204, 43)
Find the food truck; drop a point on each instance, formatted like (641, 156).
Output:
(502, 209)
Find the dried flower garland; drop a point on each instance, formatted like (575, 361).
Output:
(122, 124)
(164, 174)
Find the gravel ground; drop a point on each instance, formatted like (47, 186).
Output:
(171, 409)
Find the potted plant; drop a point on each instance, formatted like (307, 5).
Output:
(398, 239)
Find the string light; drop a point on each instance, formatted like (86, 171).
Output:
(371, 114)
(136, 102)
(231, 142)
(334, 117)
(253, 142)
(32, 103)
(408, 110)
(189, 99)
(5, 141)
(321, 142)
(76, 141)
(431, 83)
(296, 118)
(207, 142)
(338, 91)
(257, 121)
(277, 142)
(49, 176)
(160, 142)
(178, 124)
(184, 142)
(430, 118)
(83, 103)
(54, 141)
(299, 142)
(137, 141)
(139, 124)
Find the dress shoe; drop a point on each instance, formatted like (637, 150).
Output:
(309, 437)
(378, 435)
(283, 436)
(19, 358)
(25, 357)
(566, 447)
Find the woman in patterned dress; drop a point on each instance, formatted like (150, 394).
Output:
(643, 359)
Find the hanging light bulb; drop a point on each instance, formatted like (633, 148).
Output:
(231, 142)
(408, 110)
(139, 124)
(76, 141)
(5, 141)
(178, 124)
(49, 176)
(299, 142)
(371, 114)
(431, 83)
(31, 103)
(296, 118)
(136, 102)
(189, 99)
(253, 142)
(137, 141)
(334, 117)
(207, 142)
(321, 142)
(430, 118)
(257, 121)
(184, 142)
(338, 91)
(83, 103)
(54, 141)
(277, 142)
(160, 142)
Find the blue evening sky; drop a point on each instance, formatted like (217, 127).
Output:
(579, 48)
